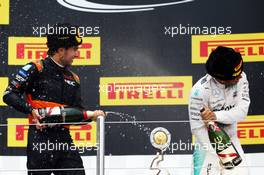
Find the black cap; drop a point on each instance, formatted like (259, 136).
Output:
(224, 63)
(63, 36)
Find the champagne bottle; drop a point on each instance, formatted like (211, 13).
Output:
(64, 115)
(225, 149)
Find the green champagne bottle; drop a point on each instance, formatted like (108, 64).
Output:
(225, 149)
(64, 115)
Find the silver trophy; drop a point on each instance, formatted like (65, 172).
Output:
(160, 139)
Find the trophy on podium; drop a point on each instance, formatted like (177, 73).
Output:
(160, 139)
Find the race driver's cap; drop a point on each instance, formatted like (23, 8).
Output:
(63, 36)
(224, 63)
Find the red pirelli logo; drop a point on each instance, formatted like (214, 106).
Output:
(251, 131)
(251, 46)
(17, 133)
(153, 90)
(144, 90)
(26, 49)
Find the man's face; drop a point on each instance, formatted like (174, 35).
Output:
(230, 82)
(67, 55)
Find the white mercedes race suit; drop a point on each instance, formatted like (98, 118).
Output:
(230, 105)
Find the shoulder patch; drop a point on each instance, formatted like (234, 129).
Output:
(39, 64)
(196, 93)
(27, 67)
(204, 80)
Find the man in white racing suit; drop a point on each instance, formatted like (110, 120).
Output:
(224, 93)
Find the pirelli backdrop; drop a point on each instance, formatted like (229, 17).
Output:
(140, 59)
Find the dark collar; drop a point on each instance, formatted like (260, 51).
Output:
(53, 64)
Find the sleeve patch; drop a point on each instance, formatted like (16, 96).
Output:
(23, 73)
(27, 67)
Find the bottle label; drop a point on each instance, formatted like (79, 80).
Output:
(228, 154)
(53, 111)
